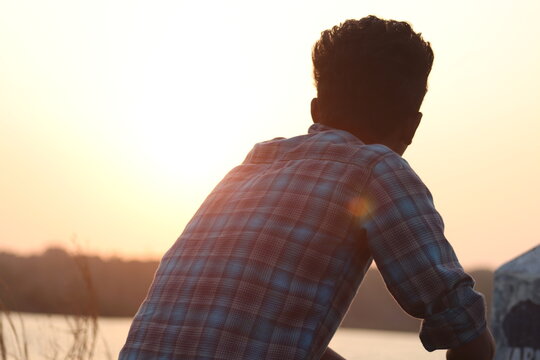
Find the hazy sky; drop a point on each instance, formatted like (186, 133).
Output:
(118, 117)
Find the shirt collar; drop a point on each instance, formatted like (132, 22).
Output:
(346, 136)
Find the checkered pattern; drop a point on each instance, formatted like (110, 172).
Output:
(271, 261)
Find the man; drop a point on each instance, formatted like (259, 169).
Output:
(269, 264)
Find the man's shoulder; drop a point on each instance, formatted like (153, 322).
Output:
(320, 143)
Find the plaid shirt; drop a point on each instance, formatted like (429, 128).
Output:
(271, 261)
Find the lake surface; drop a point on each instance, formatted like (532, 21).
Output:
(49, 336)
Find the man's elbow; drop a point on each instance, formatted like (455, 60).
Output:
(480, 348)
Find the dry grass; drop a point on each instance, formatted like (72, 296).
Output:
(18, 335)
(83, 327)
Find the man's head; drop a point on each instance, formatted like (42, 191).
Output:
(371, 77)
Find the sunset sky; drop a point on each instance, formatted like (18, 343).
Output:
(118, 117)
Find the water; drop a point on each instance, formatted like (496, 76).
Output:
(48, 337)
(357, 344)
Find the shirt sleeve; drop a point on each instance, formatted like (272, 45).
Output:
(406, 237)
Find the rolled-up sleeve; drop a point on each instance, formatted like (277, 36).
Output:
(406, 237)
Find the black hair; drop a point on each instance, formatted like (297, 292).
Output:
(370, 73)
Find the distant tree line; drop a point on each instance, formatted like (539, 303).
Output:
(62, 283)
(54, 282)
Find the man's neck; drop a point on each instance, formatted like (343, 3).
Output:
(393, 141)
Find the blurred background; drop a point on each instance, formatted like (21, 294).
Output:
(118, 117)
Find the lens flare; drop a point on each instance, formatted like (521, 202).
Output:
(359, 207)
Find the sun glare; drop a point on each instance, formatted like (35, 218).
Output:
(121, 112)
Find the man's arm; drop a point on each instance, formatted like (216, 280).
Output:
(481, 348)
(406, 238)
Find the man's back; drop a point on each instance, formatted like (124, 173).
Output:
(268, 266)
(271, 261)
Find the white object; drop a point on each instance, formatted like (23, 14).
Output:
(516, 308)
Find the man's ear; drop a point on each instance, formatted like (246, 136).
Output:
(315, 113)
(411, 126)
